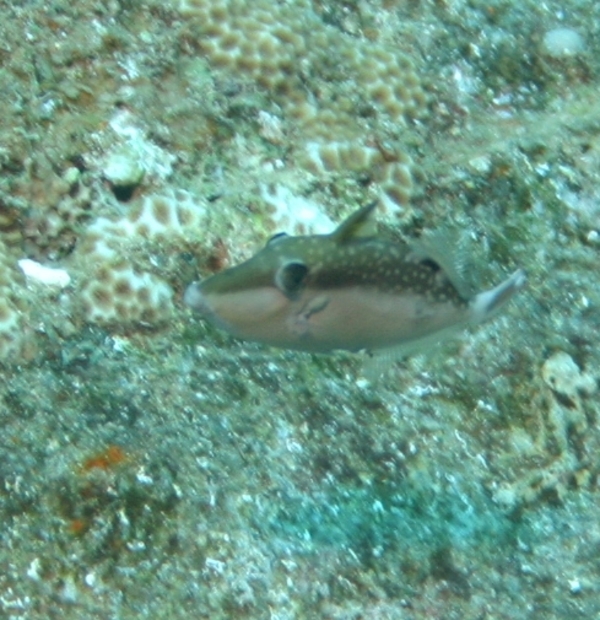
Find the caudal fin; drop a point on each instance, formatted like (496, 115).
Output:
(486, 304)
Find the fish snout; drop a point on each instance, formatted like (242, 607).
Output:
(195, 299)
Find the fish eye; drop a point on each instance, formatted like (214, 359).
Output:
(290, 277)
(276, 236)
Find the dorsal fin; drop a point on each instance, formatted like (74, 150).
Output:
(361, 224)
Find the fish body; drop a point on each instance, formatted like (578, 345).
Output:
(348, 290)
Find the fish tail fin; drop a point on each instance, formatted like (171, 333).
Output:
(486, 304)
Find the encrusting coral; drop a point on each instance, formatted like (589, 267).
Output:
(360, 85)
(121, 287)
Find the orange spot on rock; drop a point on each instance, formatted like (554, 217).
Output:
(109, 458)
(77, 527)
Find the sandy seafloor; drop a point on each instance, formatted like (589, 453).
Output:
(170, 471)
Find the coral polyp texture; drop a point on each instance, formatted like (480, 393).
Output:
(118, 293)
(338, 89)
(122, 285)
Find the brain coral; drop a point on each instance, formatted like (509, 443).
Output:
(122, 285)
(336, 88)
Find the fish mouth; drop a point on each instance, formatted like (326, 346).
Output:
(196, 300)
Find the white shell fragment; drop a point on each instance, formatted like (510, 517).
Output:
(44, 275)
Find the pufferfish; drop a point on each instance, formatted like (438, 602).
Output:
(348, 290)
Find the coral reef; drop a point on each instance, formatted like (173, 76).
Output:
(557, 439)
(280, 47)
(151, 466)
(118, 260)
